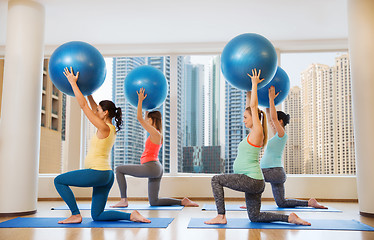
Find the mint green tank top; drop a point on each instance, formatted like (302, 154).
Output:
(274, 152)
(247, 160)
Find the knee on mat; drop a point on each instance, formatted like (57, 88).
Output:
(153, 202)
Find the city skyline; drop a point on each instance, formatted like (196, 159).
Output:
(231, 140)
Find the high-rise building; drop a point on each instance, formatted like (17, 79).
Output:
(327, 119)
(163, 64)
(180, 115)
(293, 152)
(235, 129)
(194, 104)
(129, 144)
(203, 159)
(213, 96)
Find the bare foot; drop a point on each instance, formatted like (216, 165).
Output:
(243, 207)
(313, 203)
(293, 218)
(72, 219)
(137, 217)
(122, 203)
(220, 219)
(188, 203)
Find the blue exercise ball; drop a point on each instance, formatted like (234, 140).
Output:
(281, 83)
(85, 59)
(244, 53)
(154, 83)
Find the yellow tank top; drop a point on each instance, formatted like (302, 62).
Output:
(98, 153)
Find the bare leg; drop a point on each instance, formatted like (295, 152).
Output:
(188, 203)
(137, 217)
(220, 219)
(72, 219)
(122, 203)
(293, 218)
(313, 203)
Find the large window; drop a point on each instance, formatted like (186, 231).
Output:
(209, 123)
(321, 139)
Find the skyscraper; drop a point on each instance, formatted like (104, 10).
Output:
(194, 104)
(163, 64)
(213, 95)
(235, 129)
(293, 152)
(130, 139)
(327, 119)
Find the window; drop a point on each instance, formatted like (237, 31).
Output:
(321, 75)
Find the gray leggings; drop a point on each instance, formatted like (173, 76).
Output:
(277, 177)
(151, 170)
(252, 188)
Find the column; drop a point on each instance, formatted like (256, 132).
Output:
(361, 49)
(21, 108)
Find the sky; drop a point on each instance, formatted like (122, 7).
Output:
(295, 63)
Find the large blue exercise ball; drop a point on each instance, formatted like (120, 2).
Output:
(85, 59)
(281, 83)
(244, 53)
(154, 83)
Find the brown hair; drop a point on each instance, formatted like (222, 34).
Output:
(156, 119)
(262, 117)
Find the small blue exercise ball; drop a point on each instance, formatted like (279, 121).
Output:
(85, 59)
(281, 83)
(154, 83)
(244, 53)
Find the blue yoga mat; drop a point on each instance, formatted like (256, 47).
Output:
(29, 222)
(130, 207)
(271, 208)
(317, 224)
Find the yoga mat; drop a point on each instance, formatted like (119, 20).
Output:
(29, 222)
(130, 207)
(317, 224)
(267, 208)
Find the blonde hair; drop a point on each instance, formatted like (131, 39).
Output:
(262, 117)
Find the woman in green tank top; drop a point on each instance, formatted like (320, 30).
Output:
(247, 175)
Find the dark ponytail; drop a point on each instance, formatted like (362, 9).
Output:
(118, 118)
(284, 117)
(113, 112)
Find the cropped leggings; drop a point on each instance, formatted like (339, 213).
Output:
(252, 188)
(277, 177)
(151, 170)
(101, 181)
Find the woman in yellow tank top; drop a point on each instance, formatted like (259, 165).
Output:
(97, 172)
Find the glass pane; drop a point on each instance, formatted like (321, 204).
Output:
(200, 109)
(321, 139)
(52, 126)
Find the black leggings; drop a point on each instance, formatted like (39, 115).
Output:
(277, 177)
(252, 188)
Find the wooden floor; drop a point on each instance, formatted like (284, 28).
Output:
(178, 228)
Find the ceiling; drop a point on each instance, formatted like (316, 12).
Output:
(145, 22)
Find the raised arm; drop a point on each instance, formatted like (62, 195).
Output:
(92, 103)
(155, 135)
(273, 112)
(270, 122)
(257, 134)
(102, 128)
(248, 99)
